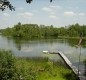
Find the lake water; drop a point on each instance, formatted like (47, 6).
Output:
(35, 48)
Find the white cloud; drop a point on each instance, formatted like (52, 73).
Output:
(35, 11)
(69, 13)
(6, 14)
(20, 8)
(52, 10)
(53, 16)
(27, 15)
(47, 9)
(82, 14)
(55, 7)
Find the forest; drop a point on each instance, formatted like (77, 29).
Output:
(30, 31)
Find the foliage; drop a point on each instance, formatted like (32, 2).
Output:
(6, 4)
(31, 31)
(7, 67)
(31, 69)
(72, 30)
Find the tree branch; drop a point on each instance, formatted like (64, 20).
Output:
(6, 4)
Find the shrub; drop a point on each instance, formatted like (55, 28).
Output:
(7, 62)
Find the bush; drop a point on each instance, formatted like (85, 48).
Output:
(7, 67)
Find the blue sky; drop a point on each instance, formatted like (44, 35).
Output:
(58, 13)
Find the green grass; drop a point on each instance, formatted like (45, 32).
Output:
(42, 69)
(15, 68)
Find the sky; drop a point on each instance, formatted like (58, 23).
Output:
(58, 13)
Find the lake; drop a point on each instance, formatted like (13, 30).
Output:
(35, 48)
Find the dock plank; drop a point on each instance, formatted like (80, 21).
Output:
(73, 68)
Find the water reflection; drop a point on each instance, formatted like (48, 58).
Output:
(73, 42)
(84, 67)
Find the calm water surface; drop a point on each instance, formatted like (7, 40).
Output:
(34, 48)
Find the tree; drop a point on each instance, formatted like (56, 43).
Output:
(6, 4)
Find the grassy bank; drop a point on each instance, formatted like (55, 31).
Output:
(14, 68)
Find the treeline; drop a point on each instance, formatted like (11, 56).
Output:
(29, 31)
(74, 30)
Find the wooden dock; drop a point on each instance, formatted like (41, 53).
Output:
(70, 65)
(67, 61)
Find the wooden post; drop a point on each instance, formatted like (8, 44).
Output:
(79, 60)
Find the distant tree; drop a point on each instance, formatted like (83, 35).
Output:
(6, 4)
(30, 31)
